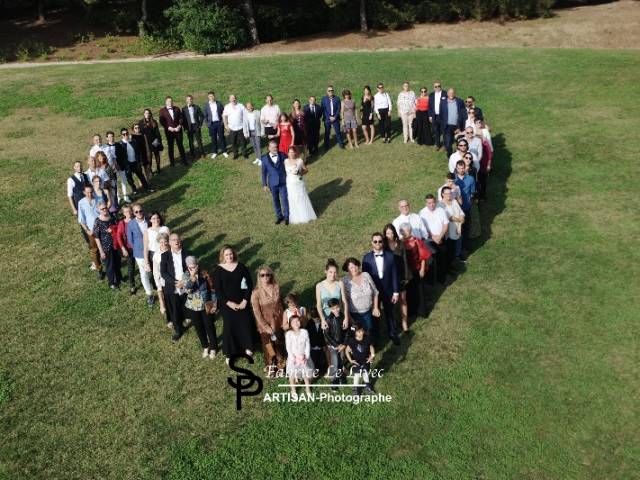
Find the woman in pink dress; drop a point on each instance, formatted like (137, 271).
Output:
(286, 133)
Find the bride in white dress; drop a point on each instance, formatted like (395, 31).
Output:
(300, 208)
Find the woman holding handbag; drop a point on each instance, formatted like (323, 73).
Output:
(200, 306)
(151, 131)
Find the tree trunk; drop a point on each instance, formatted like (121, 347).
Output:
(41, 10)
(247, 6)
(142, 24)
(363, 16)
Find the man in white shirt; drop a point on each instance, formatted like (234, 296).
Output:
(270, 117)
(382, 107)
(458, 155)
(418, 227)
(437, 223)
(233, 117)
(99, 146)
(252, 130)
(435, 99)
(449, 182)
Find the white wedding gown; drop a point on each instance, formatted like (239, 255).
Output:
(300, 208)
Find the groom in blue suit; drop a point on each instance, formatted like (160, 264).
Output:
(274, 178)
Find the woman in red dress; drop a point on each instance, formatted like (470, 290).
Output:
(297, 119)
(286, 133)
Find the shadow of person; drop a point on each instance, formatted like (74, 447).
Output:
(322, 196)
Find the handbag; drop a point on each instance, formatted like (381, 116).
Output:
(157, 145)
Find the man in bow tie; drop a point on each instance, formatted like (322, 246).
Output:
(380, 264)
(274, 179)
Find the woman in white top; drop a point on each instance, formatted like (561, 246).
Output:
(163, 246)
(150, 239)
(300, 208)
(299, 363)
(382, 106)
(407, 111)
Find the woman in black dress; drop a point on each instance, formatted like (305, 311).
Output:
(151, 131)
(366, 104)
(393, 243)
(233, 286)
(104, 229)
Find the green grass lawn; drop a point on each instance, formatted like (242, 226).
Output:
(526, 368)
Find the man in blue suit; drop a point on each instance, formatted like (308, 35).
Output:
(452, 115)
(274, 178)
(381, 265)
(331, 111)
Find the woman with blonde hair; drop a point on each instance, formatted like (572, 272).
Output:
(267, 310)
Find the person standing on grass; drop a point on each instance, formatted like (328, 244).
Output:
(312, 121)
(362, 294)
(449, 181)
(366, 108)
(467, 186)
(172, 122)
(87, 214)
(193, 119)
(475, 145)
(75, 191)
(269, 118)
(97, 145)
(104, 229)
(296, 117)
(121, 244)
(163, 246)
(198, 287)
(331, 288)
(128, 155)
(437, 223)
(110, 179)
(349, 118)
(383, 106)
(233, 117)
(111, 150)
(252, 131)
(135, 237)
(274, 179)
(145, 152)
(213, 119)
(299, 363)
(418, 256)
(172, 268)
(334, 326)
(380, 265)
(286, 133)
(413, 219)
(151, 132)
(451, 118)
(470, 104)
(487, 159)
(455, 157)
(407, 111)
(331, 111)
(360, 353)
(150, 241)
(393, 244)
(423, 127)
(456, 219)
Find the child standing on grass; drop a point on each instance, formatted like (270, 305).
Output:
(299, 364)
(334, 336)
(360, 353)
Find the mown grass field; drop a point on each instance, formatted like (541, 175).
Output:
(526, 368)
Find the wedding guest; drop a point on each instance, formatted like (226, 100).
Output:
(437, 223)
(213, 119)
(317, 341)
(233, 117)
(199, 292)
(87, 214)
(99, 193)
(172, 268)
(469, 166)
(92, 169)
(334, 326)
(286, 134)
(252, 130)
(413, 219)
(97, 145)
(293, 308)
(475, 145)
(299, 363)
(145, 149)
(172, 122)
(267, 310)
(487, 159)
(455, 157)
(470, 103)
(349, 119)
(366, 108)
(360, 353)
(312, 121)
(436, 100)
(455, 215)
(380, 264)
(417, 256)
(110, 179)
(233, 288)
(270, 117)
(362, 294)
(423, 127)
(393, 244)
(75, 187)
(331, 112)
(331, 287)
(470, 118)
(103, 230)
(297, 120)
(155, 227)
(407, 111)
(128, 156)
(467, 186)
(151, 131)
(274, 179)
(193, 119)
(451, 118)
(111, 149)
(135, 237)
(121, 243)
(163, 246)
(449, 181)
(383, 106)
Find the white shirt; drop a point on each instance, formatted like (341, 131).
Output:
(97, 148)
(382, 100)
(71, 183)
(191, 111)
(131, 153)
(177, 268)
(92, 173)
(455, 192)
(235, 116)
(171, 113)
(453, 210)
(418, 228)
(436, 220)
(379, 259)
(406, 102)
(453, 160)
(475, 147)
(142, 225)
(273, 157)
(437, 95)
(269, 115)
(110, 152)
(213, 106)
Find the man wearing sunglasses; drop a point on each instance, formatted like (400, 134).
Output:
(331, 111)
(470, 103)
(451, 118)
(381, 266)
(436, 99)
(135, 238)
(128, 157)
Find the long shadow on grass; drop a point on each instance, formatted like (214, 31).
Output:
(322, 196)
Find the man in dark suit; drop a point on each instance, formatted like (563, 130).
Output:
(381, 265)
(171, 120)
(274, 178)
(451, 119)
(172, 267)
(436, 99)
(331, 112)
(213, 120)
(192, 118)
(312, 120)
(128, 158)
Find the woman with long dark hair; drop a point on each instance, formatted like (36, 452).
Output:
(393, 243)
(151, 131)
